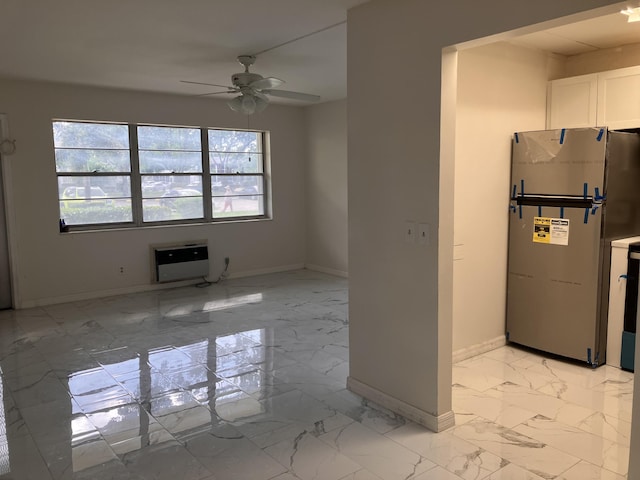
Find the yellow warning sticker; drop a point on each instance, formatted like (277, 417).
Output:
(554, 231)
(541, 230)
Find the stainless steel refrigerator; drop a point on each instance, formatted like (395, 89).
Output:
(572, 192)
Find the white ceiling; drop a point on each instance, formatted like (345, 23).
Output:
(587, 36)
(153, 44)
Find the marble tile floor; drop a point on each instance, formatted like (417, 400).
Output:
(246, 380)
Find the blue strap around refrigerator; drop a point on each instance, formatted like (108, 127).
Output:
(562, 133)
(598, 197)
(600, 134)
(586, 211)
(539, 210)
(516, 137)
(521, 193)
(561, 212)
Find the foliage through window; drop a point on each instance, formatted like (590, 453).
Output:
(118, 174)
(236, 166)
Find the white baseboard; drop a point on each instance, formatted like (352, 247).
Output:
(478, 349)
(432, 422)
(329, 271)
(41, 302)
(265, 271)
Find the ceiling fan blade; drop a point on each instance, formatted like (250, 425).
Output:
(305, 97)
(212, 93)
(208, 84)
(266, 83)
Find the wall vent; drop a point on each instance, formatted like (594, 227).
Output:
(180, 262)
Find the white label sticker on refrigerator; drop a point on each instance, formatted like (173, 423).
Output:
(559, 231)
(554, 231)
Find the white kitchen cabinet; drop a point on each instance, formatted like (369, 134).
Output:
(572, 102)
(606, 99)
(619, 98)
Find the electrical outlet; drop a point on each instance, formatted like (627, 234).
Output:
(226, 261)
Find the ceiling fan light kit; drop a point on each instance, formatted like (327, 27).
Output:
(254, 89)
(247, 104)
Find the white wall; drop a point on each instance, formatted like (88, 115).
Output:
(401, 294)
(326, 182)
(54, 266)
(501, 89)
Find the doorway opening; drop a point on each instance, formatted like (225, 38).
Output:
(492, 88)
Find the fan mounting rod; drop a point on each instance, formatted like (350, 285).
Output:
(247, 61)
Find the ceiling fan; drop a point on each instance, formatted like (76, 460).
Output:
(254, 89)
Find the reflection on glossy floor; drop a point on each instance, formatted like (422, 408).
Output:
(246, 380)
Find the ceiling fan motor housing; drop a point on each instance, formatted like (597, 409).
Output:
(245, 79)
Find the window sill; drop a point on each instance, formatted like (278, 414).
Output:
(81, 230)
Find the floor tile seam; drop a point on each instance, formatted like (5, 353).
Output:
(46, 464)
(436, 459)
(577, 386)
(323, 372)
(617, 432)
(517, 370)
(498, 450)
(454, 431)
(49, 374)
(289, 467)
(505, 403)
(537, 392)
(193, 458)
(561, 445)
(139, 404)
(502, 425)
(602, 469)
(524, 467)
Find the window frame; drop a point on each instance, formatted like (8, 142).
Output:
(136, 176)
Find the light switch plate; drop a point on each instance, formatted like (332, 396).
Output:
(423, 234)
(410, 232)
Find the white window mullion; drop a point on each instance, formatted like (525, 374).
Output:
(206, 176)
(136, 182)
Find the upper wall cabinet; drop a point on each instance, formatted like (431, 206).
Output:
(619, 98)
(607, 99)
(572, 102)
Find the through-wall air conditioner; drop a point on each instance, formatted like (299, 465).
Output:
(180, 262)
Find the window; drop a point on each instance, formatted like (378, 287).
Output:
(132, 175)
(170, 162)
(94, 172)
(237, 176)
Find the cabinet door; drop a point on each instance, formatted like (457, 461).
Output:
(619, 98)
(572, 102)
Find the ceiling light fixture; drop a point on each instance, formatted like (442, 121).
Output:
(633, 14)
(247, 104)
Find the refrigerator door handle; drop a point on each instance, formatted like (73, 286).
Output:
(555, 201)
